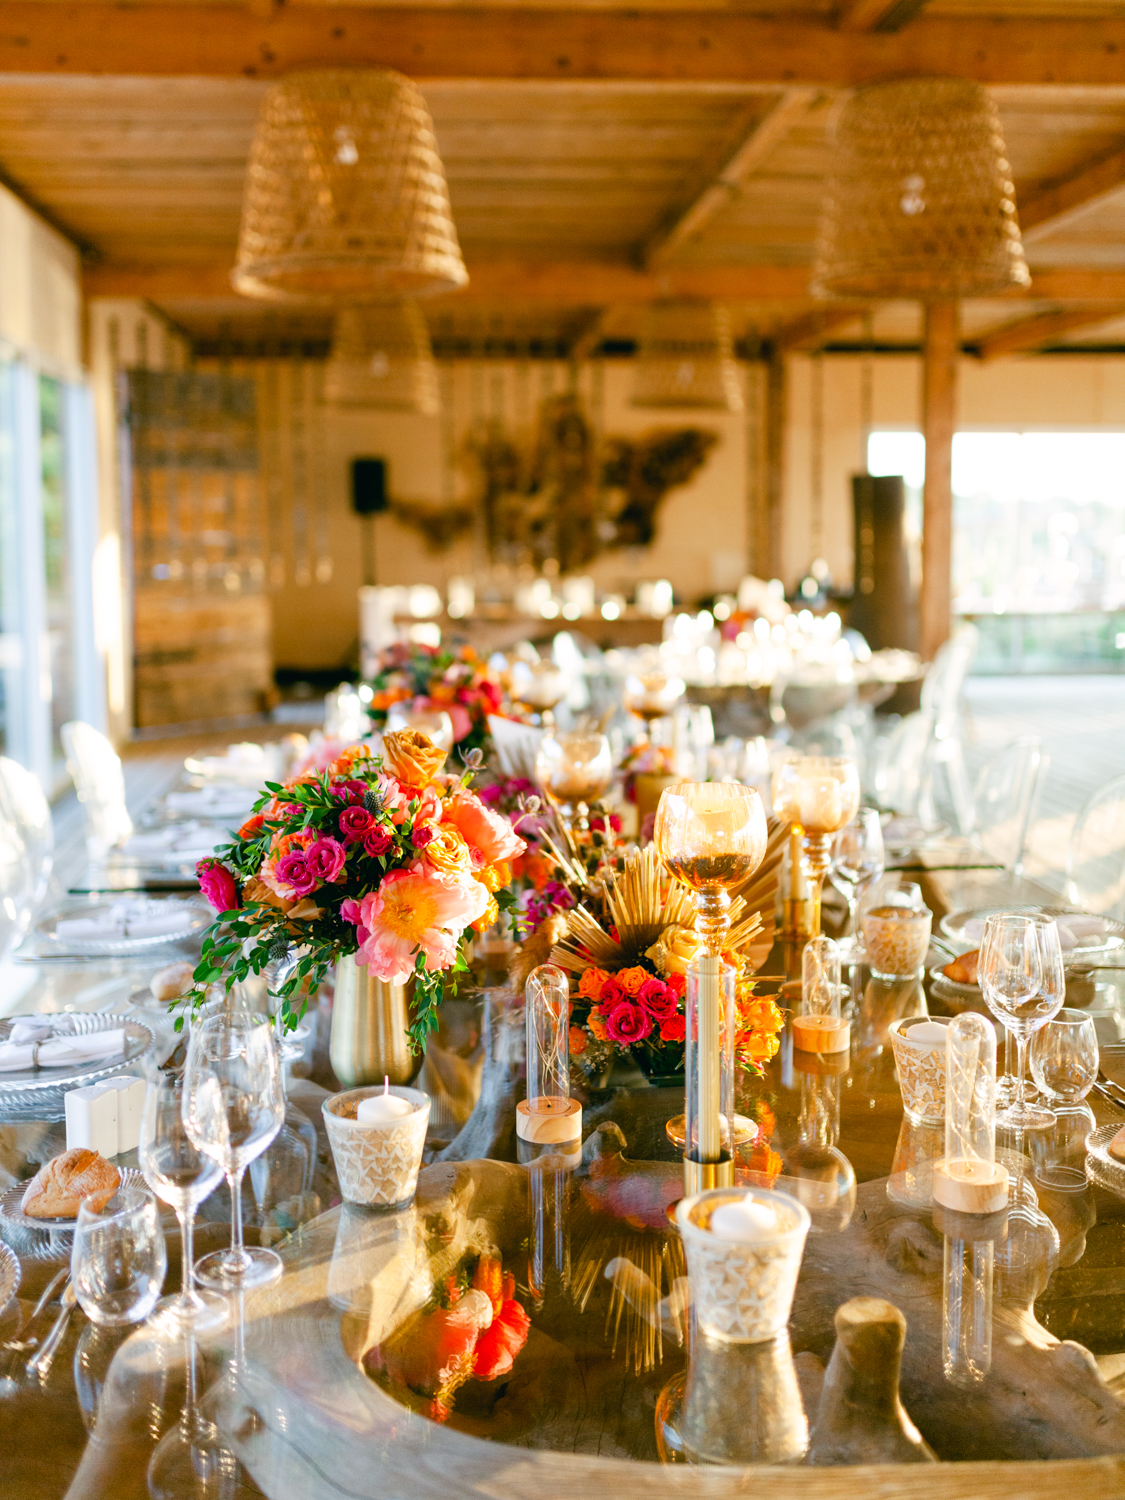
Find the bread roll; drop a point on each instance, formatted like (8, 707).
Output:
(58, 1188)
(172, 981)
(964, 969)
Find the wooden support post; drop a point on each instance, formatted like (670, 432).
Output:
(939, 403)
(768, 550)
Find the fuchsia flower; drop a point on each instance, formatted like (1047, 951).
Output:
(423, 835)
(350, 791)
(217, 884)
(412, 912)
(355, 824)
(628, 1023)
(658, 999)
(292, 875)
(378, 842)
(325, 859)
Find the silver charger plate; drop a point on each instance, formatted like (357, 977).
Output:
(954, 923)
(1097, 1149)
(12, 1215)
(138, 1040)
(199, 917)
(9, 1274)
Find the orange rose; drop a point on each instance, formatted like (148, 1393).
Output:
(412, 757)
(448, 854)
(252, 826)
(344, 762)
(489, 915)
(631, 980)
(494, 877)
(597, 1026)
(578, 1041)
(592, 983)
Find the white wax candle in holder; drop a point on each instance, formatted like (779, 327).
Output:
(548, 1115)
(744, 1220)
(377, 1109)
(376, 1137)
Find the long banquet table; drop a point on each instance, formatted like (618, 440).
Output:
(327, 1382)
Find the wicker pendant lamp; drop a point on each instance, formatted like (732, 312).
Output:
(920, 201)
(381, 357)
(345, 194)
(685, 357)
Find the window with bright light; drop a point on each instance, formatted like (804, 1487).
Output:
(1038, 517)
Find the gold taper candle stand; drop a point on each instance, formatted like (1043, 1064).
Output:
(816, 856)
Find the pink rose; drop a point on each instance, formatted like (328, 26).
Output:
(628, 1023)
(377, 842)
(217, 884)
(657, 999)
(350, 911)
(293, 876)
(423, 835)
(482, 829)
(325, 859)
(355, 824)
(349, 791)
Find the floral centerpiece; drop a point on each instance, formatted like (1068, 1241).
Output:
(378, 856)
(435, 678)
(627, 940)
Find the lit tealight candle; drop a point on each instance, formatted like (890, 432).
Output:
(743, 1220)
(382, 1109)
(820, 804)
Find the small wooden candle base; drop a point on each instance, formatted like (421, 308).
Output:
(971, 1187)
(821, 1034)
(551, 1121)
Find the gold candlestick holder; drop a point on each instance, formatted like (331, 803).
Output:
(711, 837)
(817, 795)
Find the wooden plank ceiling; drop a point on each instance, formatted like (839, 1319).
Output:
(577, 198)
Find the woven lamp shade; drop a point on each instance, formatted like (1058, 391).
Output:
(345, 194)
(381, 357)
(920, 201)
(685, 357)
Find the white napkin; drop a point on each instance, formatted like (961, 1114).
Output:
(63, 1051)
(127, 918)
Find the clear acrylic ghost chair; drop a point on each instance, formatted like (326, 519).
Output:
(16, 888)
(1006, 799)
(22, 800)
(903, 759)
(950, 790)
(95, 769)
(1095, 860)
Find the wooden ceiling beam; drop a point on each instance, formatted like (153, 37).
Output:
(877, 15)
(593, 284)
(1050, 207)
(750, 152)
(1044, 328)
(469, 42)
(815, 328)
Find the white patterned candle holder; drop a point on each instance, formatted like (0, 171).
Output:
(743, 1289)
(377, 1162)
(920, 1064)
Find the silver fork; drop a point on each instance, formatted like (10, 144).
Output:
(18, 1344)
(39, 1365)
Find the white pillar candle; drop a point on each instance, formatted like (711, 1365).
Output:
(819, 803)
(384, 1108)
(743, 1220)
(926, 1032)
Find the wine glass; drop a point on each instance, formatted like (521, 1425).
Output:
(233, 1107)
(180, 1174)
(1064, 1057)
(1021, 978)
(857, 860)
(190, 1462)
(118, 1260)
(574, 768)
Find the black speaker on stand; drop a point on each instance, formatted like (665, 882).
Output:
(369, 499)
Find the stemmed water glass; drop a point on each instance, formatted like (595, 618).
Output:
(1022, 980)
(857, 860)
(233, 1106)
(179, 1173)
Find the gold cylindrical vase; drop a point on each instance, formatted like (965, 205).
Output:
(369, 1040)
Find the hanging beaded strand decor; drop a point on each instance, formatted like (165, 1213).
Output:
(919, 201)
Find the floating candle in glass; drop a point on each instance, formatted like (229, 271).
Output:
(968, 1178)
(820, 1027)
(711, 836)
(574, 768)
(818, 794)
(548, 1115)
(652, 694)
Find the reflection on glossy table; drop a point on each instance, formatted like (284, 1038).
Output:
(345, 1378)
